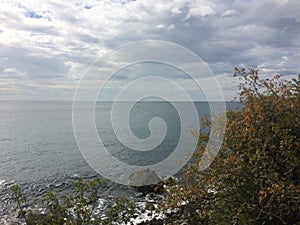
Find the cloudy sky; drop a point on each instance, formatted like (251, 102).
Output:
(46, 47)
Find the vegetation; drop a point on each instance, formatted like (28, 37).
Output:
(20, 199)
(77, 208)
(255, 179)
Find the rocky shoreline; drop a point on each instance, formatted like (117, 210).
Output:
(145, 203)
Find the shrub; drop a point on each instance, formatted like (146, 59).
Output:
(255, 179)
(77, 208)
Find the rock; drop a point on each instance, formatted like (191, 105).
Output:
(144, 181)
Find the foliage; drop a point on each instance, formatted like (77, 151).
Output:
(20, 199)
(78, 208)
(121, 212)
(255, 179)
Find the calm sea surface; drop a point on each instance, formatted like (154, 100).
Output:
(38, 149)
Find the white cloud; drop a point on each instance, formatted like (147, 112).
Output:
(200, 8)
(228, 12)
(47, 43)
(171, 27)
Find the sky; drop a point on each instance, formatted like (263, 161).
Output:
(47, 47)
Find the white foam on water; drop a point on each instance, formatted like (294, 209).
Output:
(11, 220)
(147, 215)
(2, 182)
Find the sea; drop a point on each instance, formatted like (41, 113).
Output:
(38, 148)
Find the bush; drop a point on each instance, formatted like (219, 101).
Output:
(255, 179)
(77, 208)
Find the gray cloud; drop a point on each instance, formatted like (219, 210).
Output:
(47, 46)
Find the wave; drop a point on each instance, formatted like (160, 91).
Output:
(2, 182)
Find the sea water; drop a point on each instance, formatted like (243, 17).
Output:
(38, 149)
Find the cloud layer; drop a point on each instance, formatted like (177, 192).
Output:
(46, 46)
